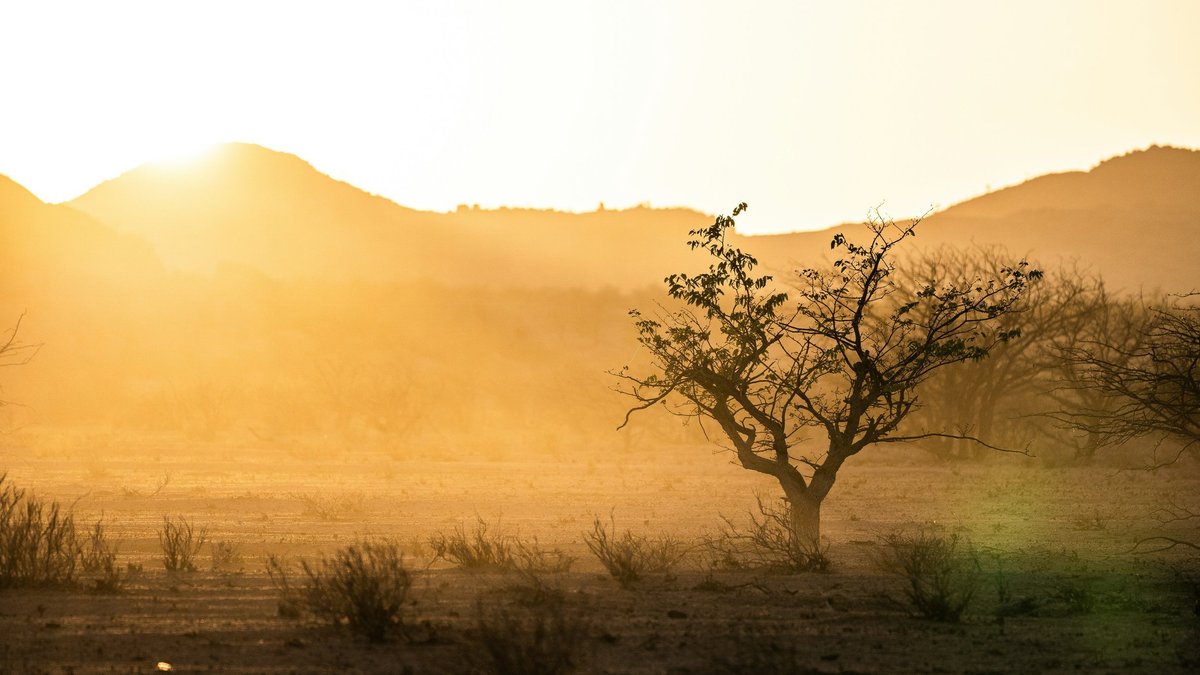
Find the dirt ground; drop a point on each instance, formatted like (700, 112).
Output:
(1061, 538)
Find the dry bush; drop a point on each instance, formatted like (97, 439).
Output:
(629, 557)
(291, 600)
(99, 557)
(181, 543)
(768, 542)
(345, 506)
(41, 546)
(225, 555)
(480, 549)
(942, 578)
(529, 558)
(38, 542)
(363, 587)
(483, 549)
(540, 634)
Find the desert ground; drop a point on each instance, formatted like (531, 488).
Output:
(1062, 540)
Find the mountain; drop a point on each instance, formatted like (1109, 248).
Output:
(82, 286)
(45, 246)
(270, 210)
(1156, 179)
(1134, 218)
(286, 301)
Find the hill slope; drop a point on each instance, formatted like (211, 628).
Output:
(276, 213)
(1135, 219)
(272, 211)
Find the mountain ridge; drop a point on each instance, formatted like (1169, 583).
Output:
(272, 211)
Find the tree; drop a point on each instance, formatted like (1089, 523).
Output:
(1001, 398)
(844, 358)
(1146, 386)
(14, 352)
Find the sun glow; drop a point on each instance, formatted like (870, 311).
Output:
(563, 105)
(184, 154)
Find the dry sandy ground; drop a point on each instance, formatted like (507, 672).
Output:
(1060, 537)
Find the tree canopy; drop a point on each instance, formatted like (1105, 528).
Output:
(836, 354)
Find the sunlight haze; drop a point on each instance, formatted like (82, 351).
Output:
(813, 112)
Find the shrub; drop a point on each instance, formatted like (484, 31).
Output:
(529, 558)
(41, 546)
(181, 543)
(38, 542)
(291, 602)
(344, 506)
(769, 542)
(363, 587)
(225, 555)
(478, 550)
(942, 579)
(629, 557)
(1007, 603)
(534, 635)
(99, 558)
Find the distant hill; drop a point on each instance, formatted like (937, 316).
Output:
(250, 291)
(272, 211)
(44, 246)
(1159, 179)
(82, 286)
(1135, 218)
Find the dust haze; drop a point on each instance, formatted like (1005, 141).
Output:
(297, 372)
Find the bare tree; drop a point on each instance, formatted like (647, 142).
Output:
(12, 351)
(1146, 386)
(843, 360)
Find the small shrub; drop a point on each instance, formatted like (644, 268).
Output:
(181, 543)
(290, 599)
(99, 558)
(629, 557)
(478, 550)
(363, 587)
(942, 579)
(541, 635)
(769, 543)
(95, 549)
(332, 507)
(530, 558)
(1007, 603)
(225, 555)
(38, 542)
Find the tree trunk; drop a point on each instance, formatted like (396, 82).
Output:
(804, 511)
(805, 514)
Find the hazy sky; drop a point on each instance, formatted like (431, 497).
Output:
(813, 112)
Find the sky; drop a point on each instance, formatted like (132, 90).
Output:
(812, 112)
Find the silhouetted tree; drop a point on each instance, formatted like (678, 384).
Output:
(844, 358)
(1001, 397)
(14, 352)
(1143, 386)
